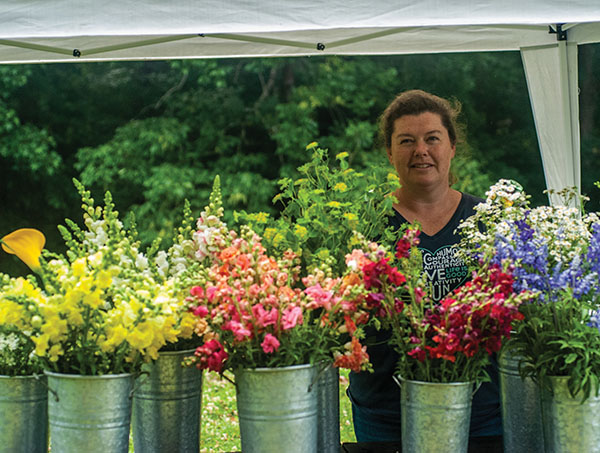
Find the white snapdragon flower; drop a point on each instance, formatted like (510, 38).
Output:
(162, 263)
(125, 261)
(97, 236)
(141, 262)
(95, 259)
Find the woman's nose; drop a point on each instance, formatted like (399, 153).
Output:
(421, 147)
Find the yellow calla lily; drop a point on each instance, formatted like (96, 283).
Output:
(27, 244)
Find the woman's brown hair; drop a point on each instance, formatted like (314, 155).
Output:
(415, 102)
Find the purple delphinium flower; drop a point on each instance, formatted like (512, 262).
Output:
(529, 254)
(593, 253)
(594, 319)
(533, 271)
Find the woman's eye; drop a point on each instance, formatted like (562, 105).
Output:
(433, 138)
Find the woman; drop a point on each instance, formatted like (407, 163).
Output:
(420, 134)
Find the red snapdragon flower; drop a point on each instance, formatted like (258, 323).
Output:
(211, 356)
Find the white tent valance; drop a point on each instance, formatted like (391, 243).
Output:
(547, 32)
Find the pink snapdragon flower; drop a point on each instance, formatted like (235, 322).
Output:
(270, 344)
(291, 316)
(239, 331)
(319, 297)
(263, 317)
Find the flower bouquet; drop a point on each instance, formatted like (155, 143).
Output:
(273, 328)
(321, 211)
(443, 346)
(104, 312)
(555, 254)
(23, 390)
(17, 323)
(254, 309)
(445, 341)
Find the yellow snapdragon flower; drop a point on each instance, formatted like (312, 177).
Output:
(41, 344)
(187, 325)
(79, 267)
(140, 337)
(54, 352)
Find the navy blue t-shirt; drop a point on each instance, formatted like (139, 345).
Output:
(376, 392)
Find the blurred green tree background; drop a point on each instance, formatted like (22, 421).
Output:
(156, 133)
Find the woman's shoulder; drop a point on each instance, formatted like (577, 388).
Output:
(471, 199)
(468, 203)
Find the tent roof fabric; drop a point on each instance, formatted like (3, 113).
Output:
(41, 31)
(89, 30)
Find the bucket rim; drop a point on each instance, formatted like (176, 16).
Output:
(181, 352)
(554, 377)
(26, 377)
(276, 369)
(87, 376)
(424, 383)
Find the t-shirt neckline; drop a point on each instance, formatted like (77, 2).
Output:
(451, 221)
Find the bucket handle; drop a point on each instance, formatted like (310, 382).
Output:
(227, 378)
(45, 384)
(141, 382)
(322, 368)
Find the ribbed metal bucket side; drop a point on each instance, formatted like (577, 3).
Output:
(167, 406)
(521, 408)
(570, 425)
(89, 414)
(23, 414)
(435, 417)
(328, 388)
(277, 409)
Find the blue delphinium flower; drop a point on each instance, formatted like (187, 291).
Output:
(593, 253)
(594, 319)
(533, 270)
(530, 254)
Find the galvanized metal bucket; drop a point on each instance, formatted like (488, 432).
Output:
(89, 414)
(521, 408)
(570, 425)
(167, 406)
(23, 414)
(328, 396)
(435, 417)
(277, 409)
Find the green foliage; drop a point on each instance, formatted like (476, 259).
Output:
(23, 147)
(155, 133)
(556, 341)
(470, 176)
(324, 208)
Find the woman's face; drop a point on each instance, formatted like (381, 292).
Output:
(421, 151)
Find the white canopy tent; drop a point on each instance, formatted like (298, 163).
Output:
(546, 32)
